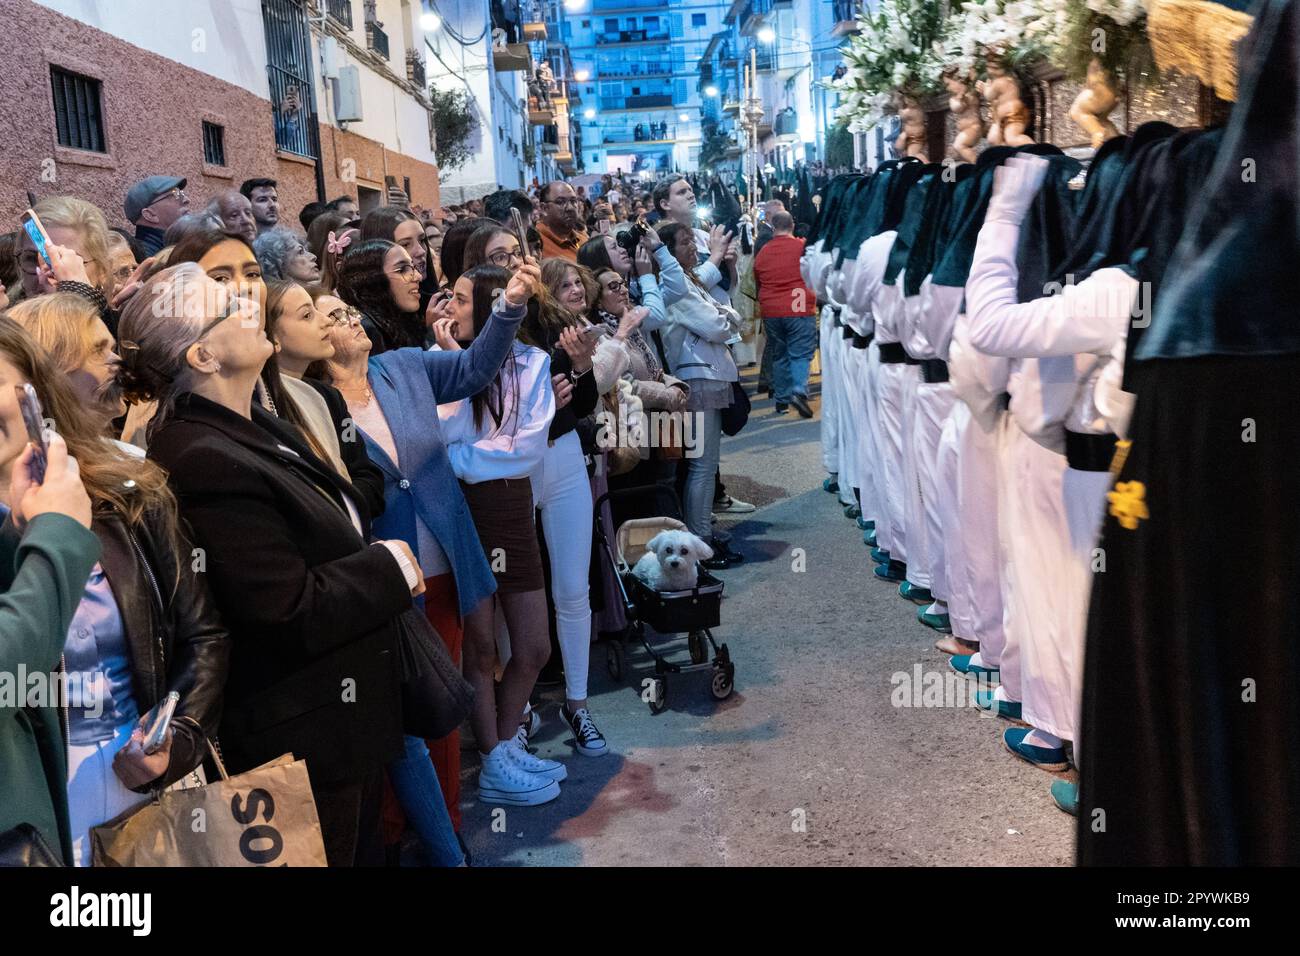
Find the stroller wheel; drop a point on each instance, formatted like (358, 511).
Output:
(614, 659)
(657, 695)
(723, 683)
(698, 645)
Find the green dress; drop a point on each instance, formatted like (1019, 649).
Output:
(42, 578)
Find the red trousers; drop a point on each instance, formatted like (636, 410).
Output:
(442, 608)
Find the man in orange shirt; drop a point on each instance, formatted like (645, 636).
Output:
(788, 308)
(561, 224)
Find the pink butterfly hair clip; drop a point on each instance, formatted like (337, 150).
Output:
(335, 245)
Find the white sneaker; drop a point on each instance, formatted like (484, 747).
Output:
(501, 780)
(537, 766)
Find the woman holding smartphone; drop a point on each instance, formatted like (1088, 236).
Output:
(496, 440)
(145, 625)
(312, 606)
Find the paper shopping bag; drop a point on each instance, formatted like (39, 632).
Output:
(265, 817)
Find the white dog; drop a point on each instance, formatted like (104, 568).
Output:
(669, 561)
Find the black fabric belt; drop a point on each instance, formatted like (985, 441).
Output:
(835, 317)
(934, 371)
(848, 332)
(1089, 452)
(892, 353)
(1004, 401)
(862, 341)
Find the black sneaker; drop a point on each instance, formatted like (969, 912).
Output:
(801, 406)
(588, 740)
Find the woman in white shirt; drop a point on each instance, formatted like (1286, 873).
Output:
(496, 439)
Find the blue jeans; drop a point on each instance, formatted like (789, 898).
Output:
(792, 339)
(415, 783)
(701, 472)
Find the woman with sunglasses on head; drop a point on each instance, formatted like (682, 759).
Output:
(392, 399)
(145, 625)
(308, 601)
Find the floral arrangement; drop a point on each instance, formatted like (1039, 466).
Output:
(1111, 31)
(892, 54)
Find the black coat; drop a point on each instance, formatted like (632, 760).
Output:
(310, 606)
(366, 476)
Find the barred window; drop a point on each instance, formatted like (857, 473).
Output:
(78, 113)
(214, 144)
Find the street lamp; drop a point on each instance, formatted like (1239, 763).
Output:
(710, 91)
(582, 76)
(430, 22)
(766, 35)
(684, 117)
(589, 113)
(573, 6)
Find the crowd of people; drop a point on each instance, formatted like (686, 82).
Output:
(1037, 392)
(270, 438)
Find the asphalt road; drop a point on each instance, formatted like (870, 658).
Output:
(819, 757)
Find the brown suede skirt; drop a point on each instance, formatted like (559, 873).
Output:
(502, 510)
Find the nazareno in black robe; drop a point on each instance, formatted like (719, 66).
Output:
(1191, 704)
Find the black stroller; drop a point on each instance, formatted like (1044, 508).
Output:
(693, 611)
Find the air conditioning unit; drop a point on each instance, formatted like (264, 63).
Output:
(330, 57)
(347, 96)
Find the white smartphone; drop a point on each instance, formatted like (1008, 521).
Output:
(157, 722)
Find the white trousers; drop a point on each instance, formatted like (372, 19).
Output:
(832, 388)
(562, 490)
(845, 432)
(95, 793)
(891, 385)
(1015, 619)
(875, 448)
(858, 380)
(1057, 522)
(934, 404)
(968, 514)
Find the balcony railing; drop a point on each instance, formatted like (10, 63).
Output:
(377, 40)
(657, 101)
(846, 17)
(630, 70)
(415, 69)
(641, 134)
(340, 11)
(752, 12)
(634, 36)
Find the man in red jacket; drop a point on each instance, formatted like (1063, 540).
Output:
(788, 308)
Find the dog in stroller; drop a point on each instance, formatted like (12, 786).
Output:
(664, 589)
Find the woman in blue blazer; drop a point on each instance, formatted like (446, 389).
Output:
(392, 399)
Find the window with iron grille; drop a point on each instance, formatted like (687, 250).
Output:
(214, 144)
(293, 95)
(78, 113)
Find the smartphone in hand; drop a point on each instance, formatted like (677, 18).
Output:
(40, 238)
(157, 722)
(34, 420)
(521, 232)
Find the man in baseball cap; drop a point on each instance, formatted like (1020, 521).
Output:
(152, 205)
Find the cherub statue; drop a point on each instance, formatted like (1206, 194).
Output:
(1091, 108)
(1008, 115)
(964, 104)
(911, 138)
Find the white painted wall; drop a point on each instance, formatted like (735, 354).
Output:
(222, 38)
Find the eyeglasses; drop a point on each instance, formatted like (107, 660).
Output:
(505, 259)
(569, 201)
(405, 270)
(343, 316)
(618, 285)
(173, 193)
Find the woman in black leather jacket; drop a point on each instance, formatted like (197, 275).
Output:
(145, 626)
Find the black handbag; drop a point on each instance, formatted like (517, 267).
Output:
(24, 846)
(436, 698)
(735, 415)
